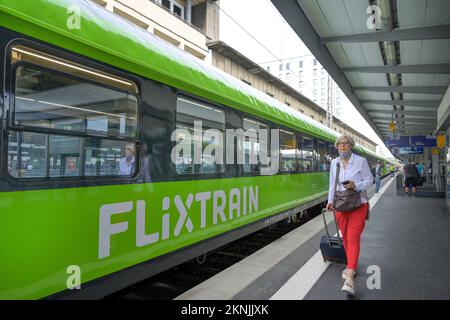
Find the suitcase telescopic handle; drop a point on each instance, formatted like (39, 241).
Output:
(326, 227)
(338, 167)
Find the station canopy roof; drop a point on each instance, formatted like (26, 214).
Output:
(398, 71)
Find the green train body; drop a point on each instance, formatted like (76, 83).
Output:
(117, 230)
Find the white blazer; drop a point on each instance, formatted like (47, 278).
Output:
(358, 171)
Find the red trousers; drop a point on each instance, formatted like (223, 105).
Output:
(351, 224)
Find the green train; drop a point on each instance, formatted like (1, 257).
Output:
(91, 198)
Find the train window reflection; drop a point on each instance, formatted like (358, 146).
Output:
(207, 143)
(85, 120)
(34, 155)
(27, 155)
(288, 151)
(44, 99)
(252, 143)
(109, 157)
(306, 157)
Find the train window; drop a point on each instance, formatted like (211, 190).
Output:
(251, 145)
(27, 155)
(48, 100)
(64, 155)
(306, 161)
(288, 151)
(25, 54)
(108, 157)
(323, 156)
(35, 155)
(210, 144)
(332, 151)
(80, 105)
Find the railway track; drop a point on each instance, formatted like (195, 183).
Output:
(175, 281)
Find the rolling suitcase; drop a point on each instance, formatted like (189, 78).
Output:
(332, 247)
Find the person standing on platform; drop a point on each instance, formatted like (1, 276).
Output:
(355, 172)
(411, 175)
(378, 176)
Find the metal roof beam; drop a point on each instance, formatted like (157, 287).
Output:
(397, 34)
(412, 103)
(429, 114)
(416, 127)
(437, 68)
(411, 133)
(408, 120)
(296, 18)
(406, 89)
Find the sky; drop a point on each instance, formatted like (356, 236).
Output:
(256, 29)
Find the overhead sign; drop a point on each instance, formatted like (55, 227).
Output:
(392, 126)
(440, 141)
(412, 141)
(410, 150)
(425, 141)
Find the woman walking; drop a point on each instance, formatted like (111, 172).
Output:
(355, 173)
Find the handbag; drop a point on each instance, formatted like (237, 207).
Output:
(347, 200)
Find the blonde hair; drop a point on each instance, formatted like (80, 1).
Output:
(342, 137)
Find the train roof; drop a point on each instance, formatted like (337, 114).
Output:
(111, 39)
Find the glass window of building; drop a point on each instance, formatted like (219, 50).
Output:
(288, 77)
(315, 62)
(322, 81)
(280, 67)
(322, 71)
(173, 6)
(288, 66)
(315, 72)
(300, 64)
(322, 92)
(338, 100)
(314, 83)
(322, 102)
(268, 68)
(315, 93)
(70, 105)
(300, 75)
(288, 151)
(210, 145)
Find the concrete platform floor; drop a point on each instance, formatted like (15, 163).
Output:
(409, 240)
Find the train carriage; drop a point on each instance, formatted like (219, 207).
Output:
(88, 181)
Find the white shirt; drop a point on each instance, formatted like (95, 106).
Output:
(126, 168)
(357, 171)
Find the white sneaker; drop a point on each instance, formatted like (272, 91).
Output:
(348, 287)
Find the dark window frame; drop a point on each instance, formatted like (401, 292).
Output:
(295, 133)
(12, 123)
(9, 105)
(301, 139)
(270, 125)
(212, 175)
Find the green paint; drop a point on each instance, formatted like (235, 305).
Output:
(43, 232)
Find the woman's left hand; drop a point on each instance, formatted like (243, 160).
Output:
(350, 185)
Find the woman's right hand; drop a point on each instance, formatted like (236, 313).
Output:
(329, 206)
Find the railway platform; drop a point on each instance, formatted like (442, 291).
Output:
(404, 255)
